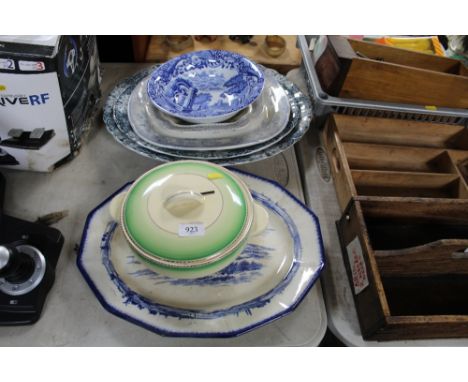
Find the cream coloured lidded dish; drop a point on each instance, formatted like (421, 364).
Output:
(188, 219)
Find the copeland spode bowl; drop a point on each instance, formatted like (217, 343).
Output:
(188, 219)
(205, 86)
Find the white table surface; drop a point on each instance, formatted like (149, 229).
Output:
(72, 315)
(321, 198)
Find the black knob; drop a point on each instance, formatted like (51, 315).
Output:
(15, 267)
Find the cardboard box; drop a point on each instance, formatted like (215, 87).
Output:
(49, 90)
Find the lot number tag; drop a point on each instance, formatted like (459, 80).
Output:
(192, 229)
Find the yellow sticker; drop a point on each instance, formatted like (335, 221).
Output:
(215, 175)
(2, 88)
(434, 108)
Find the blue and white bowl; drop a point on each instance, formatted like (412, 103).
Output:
(206, 86)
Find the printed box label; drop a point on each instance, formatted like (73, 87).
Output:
(358, 266)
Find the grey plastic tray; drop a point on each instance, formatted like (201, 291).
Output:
(324, 103)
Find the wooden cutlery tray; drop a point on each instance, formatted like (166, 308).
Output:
(364, 70)
(387, 157)
(408, 267)
(403, 191)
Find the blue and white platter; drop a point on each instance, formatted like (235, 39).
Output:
(267, 281)
(205, 86)
(118, 125)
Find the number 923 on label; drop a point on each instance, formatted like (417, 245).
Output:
(192, 229)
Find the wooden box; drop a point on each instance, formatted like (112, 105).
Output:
(403, 191)
(363, 70)
(408, 266)
(388, 157)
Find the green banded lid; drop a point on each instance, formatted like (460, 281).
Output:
(187, 213)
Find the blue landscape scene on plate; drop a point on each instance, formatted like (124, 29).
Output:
(244, 269)
(205, 84)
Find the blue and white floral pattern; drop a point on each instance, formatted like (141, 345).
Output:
(205, 84)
